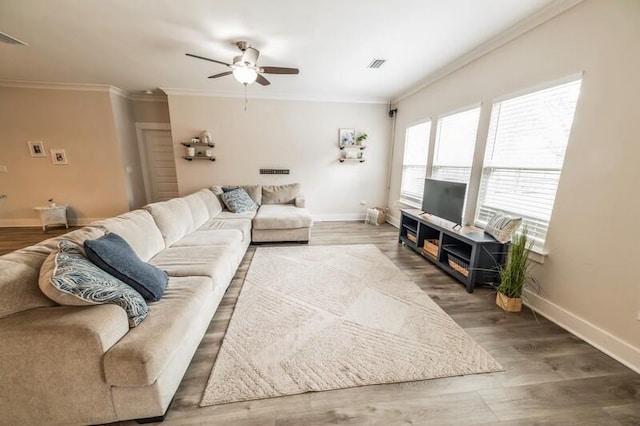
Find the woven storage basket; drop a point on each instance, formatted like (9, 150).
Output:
(430, 248)
(459, 265)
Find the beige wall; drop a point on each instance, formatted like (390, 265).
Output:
(123, 117)
(151, 111)
(81, 122)
(589, 283)
(301, 136)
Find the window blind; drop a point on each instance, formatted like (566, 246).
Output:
(455, 144)
(414, 164)
(525, 151)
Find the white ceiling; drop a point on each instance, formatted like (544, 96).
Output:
(140, 44)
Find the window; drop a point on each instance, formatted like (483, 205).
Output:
(414, 165)
(525, 150)
(455, 144)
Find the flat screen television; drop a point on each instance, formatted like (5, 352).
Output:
(444, 199)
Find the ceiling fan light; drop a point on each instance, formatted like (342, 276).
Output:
(245, 75)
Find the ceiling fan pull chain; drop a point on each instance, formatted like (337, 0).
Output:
(246, 102)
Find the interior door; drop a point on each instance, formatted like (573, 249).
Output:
(161, 182)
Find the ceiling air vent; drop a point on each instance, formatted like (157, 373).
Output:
(6, 38)
(376, 63)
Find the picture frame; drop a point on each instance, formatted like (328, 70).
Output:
(36, 149)
(347, 137)
(59, 157)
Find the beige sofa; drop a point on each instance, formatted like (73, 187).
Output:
(83, 365)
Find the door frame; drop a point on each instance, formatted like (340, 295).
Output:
(142, 149)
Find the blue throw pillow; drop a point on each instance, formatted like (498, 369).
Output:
(114, 255)
(238, 201)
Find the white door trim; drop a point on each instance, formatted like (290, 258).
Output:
(140, 128)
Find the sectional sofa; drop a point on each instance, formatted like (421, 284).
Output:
(84, 365)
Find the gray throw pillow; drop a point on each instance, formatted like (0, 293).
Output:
(113, 254)
(68, 278)
(501, 227)
(238, 201)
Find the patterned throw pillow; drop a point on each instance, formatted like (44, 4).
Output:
(68, 278)
(501, 227)
(238, 201)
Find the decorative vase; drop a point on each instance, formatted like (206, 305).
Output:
(52, 204)
(208, 153)
(191, 152)
(205, 137)
(508, 304)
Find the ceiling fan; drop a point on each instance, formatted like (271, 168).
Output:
(245, 68)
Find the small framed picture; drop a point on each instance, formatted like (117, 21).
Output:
(36, 149)
(347, 137)
(59, 156)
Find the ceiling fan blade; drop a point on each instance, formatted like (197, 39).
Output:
(222, 74)
(207, 59)
(262, 80)
(279, 70)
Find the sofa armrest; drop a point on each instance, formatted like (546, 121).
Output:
(51, 364)
(300, 201)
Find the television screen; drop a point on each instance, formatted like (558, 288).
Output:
(444, 199)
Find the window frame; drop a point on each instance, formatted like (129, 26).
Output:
(408, 200)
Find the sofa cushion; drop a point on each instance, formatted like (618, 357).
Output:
(238, 201)
(173, 217)
(280, 194)
(225, 215)
(19, 275)
(67, 277)
(199, 210)
(215, 262)
(282, 216)
(112, 254)
(215, 237)
(137, 228)
(212, 203)
(140, 356)
(243, 225)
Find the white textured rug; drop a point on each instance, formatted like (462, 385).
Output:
(330, 317)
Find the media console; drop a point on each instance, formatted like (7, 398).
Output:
(467, 254)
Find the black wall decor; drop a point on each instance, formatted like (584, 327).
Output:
(274, 171)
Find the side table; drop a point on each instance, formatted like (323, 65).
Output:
(53, 216)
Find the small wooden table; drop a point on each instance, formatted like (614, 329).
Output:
(53, 216)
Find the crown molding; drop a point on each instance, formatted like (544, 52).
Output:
(147, 98)
(56, 86)
(273, 96)
(543, 15)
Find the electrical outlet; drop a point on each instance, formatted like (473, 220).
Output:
(363, 203)
(3, 169)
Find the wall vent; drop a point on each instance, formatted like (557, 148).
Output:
(6, 38)
(376, 63)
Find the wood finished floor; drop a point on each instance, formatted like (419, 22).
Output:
(551, 377)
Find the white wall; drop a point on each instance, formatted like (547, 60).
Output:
(298, 135)
(589, 280)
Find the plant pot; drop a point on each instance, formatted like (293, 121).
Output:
(509, 304)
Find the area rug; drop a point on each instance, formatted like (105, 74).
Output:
(330, 317)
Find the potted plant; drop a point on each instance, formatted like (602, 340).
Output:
(361, 138)
(516, 274)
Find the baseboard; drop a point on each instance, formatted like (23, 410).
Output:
(604, 341)
(28, 223)
(338, 217)
(392, 220)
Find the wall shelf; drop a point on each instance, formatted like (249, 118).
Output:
(190, 144)
(360, 160)
(360, 147)
(200, 157)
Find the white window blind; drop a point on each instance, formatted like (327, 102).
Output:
(525, 150)
(414, 164)
(455, 144)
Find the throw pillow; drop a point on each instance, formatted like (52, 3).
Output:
(254, 191)
(68, 278)
(114, 255)
(501, 227)
(238, 201)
